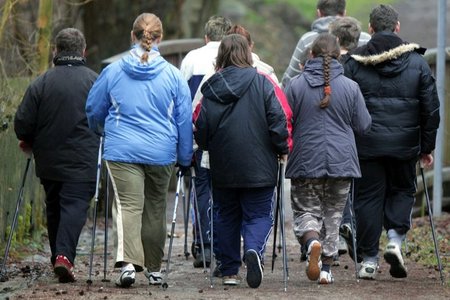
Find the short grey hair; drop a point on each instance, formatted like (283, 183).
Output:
(70, 40)
(217, 27)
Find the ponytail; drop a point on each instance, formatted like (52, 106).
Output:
(327, 88)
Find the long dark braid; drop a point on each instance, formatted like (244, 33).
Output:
(327, 88)
(326, 46)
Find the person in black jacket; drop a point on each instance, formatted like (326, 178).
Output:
(51, 123)
(244, 121)
(400, 94)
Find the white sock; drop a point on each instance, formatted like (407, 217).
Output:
(127, 267)
(395, 237)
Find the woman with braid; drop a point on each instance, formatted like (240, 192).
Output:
(143, 106)
(327, 109)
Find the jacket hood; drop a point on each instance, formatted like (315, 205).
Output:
(131, 64)
(313, 71)
(322, 24)
(229, 84)
(385, 51)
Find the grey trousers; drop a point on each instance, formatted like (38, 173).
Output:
(139, 213)
(317, 205)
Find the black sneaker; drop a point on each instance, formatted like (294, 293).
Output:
(198, 262)
(254, 269)
(345, 231)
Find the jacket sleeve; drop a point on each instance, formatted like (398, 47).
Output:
(201, 125)
(98, 103)
(279, 119)
(361, 119)
(429, 111)
(183, 117)
(294, 69)
(25, 119)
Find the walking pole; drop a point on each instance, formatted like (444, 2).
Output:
(275, 226)
(105, 253)
(186, 208)
(282, 221)
(198, 219)
(172, 230)
(212, 263)
(97, 183)
(3, 276)
(353, 226)
(430, 216)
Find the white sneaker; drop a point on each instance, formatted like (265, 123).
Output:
(326, 277)
(393, 256)
(368, 270)
(127, 276)
(154, 278)
(313, 263)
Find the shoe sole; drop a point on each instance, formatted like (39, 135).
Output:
(254, 271)
(63, 274)
(348, 237)
(126, 282)
(397, 270)
(313, 270)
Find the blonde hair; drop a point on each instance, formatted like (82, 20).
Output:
(147, 28)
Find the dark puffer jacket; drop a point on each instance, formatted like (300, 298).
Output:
(244, 122)
(401, 96)
(52, 119)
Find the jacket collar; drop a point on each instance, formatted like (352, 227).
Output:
(382, 47)
(68, 58)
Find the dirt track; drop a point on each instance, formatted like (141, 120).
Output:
(33, 278)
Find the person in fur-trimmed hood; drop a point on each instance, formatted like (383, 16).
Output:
(400, 94)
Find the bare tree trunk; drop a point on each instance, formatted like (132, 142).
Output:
(8, 6)
(44, 24)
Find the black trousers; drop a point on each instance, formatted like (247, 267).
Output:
(384, 196)
(67, 204)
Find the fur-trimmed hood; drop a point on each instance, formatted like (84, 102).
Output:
(387, 55)
(386, 52)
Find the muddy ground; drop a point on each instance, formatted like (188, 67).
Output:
(32, 278)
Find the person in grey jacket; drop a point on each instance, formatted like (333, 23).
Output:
(327, 109)
(327, 12)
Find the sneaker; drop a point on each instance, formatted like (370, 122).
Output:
(154, 278)
(326, 277)
(393, 256)
(368, 270)
(342, 246)
(314, 264)
(63, 268)
(198, 262)
(127, 276)
(217, 272)
(336, 261)
(254, 269)
(345, 231)
(231, 280)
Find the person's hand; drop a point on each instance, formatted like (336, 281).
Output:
(25, 147)
(183, 170)
(283, 158)
(426, 160)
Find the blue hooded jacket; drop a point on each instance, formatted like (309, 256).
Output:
(144, 110)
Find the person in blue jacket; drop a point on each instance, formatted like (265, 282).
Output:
(142, 105)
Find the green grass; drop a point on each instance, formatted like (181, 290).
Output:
(359, 9)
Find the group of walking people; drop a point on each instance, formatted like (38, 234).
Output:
(345, 117)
